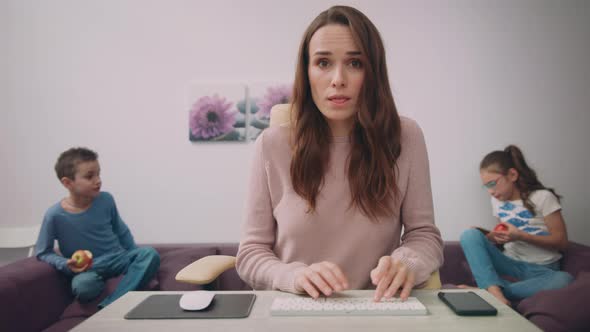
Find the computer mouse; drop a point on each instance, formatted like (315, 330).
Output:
(196, 300)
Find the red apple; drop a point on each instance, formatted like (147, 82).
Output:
(83, 259)
(500, 228)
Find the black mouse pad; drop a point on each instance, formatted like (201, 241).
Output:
(166, 306)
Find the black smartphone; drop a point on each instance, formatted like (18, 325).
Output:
(467, 304)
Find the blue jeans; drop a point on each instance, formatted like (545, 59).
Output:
(139, 266)
(488, 263)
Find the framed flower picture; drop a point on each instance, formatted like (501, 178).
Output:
(262, 97)
(232, 112)
(217, 112)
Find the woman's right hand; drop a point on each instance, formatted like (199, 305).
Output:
(321, 278)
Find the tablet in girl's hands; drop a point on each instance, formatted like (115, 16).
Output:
(467, 304)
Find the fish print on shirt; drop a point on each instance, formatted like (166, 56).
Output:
(519, 216)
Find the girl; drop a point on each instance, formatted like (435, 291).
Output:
(329, 194)
(533, 235)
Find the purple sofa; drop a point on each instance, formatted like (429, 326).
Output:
(35, 297)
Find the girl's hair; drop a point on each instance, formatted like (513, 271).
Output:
(375, 137)
(512, 157)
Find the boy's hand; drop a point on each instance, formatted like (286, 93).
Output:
(72, 266)
(323, 277)
(389, 276)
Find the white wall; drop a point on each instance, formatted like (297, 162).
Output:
(112, 75)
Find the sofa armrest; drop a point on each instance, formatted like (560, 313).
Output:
(576, 259)
(563, 309)
(34, 293)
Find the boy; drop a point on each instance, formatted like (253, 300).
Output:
(88, 220)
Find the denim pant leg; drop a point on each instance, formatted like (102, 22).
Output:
(486, 261)
(141, 265)
(86, 286)
(535, 278)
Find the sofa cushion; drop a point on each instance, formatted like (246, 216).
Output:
(78, 309)
(174, 260)
(229, 280)
(562, 309)
(39, 289)
(455, 269)
(576, 259)
(64, 324)
(13, 310)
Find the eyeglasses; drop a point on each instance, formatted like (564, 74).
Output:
(492, 184)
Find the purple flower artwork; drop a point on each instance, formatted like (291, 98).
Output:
(232, 112)
(213, 118)
(263, 98)
(279, 94)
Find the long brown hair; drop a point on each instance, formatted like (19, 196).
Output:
(512, 157)
(375, 137)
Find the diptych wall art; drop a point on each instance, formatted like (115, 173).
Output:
(232, 112)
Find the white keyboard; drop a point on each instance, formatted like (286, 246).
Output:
(342, 306)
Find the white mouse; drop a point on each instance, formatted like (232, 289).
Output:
(196, 300)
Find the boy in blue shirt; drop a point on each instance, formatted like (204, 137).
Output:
(88, 220)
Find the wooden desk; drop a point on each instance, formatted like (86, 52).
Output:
(441, 318)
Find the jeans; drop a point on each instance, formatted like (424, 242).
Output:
(488, 263)
(139, 266)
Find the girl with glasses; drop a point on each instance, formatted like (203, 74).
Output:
(533, 231)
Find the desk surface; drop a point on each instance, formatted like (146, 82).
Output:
(440, 318)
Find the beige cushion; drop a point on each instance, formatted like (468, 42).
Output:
(206, 269)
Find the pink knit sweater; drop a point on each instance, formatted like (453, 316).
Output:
(279, 238)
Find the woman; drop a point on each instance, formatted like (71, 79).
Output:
(329, 193)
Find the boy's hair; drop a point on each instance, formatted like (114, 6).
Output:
(512, 157)
(68, 160)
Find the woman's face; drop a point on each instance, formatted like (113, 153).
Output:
(336, 75)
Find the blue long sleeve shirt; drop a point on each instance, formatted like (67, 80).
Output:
(99, 229)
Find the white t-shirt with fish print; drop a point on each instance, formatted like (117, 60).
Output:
(515, 213)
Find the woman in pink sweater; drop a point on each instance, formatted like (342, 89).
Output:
(330, 192)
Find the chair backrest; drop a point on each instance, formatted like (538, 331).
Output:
(280, 114)
(19, 237)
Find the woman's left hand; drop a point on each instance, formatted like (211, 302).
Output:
(389, 276)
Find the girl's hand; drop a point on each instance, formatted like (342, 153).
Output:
(321, 278)
(499, 237)
(389, 276)
(502, 237)
(513, 233)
